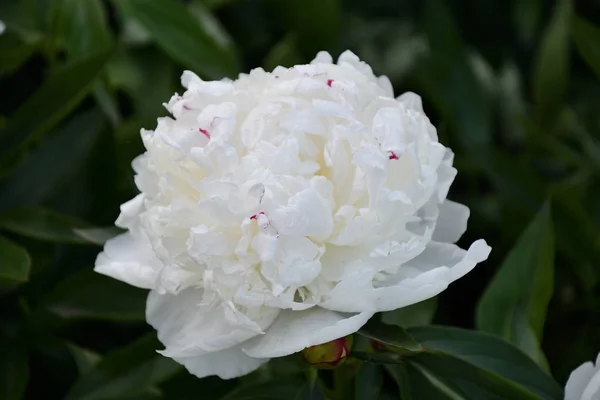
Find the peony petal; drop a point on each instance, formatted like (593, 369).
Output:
(423, 277)
(411, 101)
(188, 78)
(322, 57)
(459, 261)
(306, 214)
(578, 380)
(226, 364)
(293, 331)
(130, 210)
(386, 85)
(451, 223)
(592, 391)
(129, 259)
(188, 328)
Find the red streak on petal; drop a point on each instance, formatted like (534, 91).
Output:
(329, 82)
(186, 107)
(393, 156)
(204, 132)
(256, 215)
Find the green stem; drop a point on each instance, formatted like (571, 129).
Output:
(342, 384)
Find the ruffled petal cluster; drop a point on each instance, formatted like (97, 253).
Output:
(283, 209)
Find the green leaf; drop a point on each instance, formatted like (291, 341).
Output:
(107, 102)
(14, 370)
(128, 70)
(98, 236)
(42, 224)
(83, 27)
(58, 95)
(400, 375)
(526, 15)
(212, 25)
(84, 295)
(181, 36)
(480, 365)
(316, 23)
(53, 163)
(368, 383)
(422, 383)
(310, 391)
(515, 303)
(383, 358)
(285, 52)
(393, 336)
(588, 143)
(84, 359)
(14, 52)
(551, 71)
(447, 78)
(270, 390)
(587, 40)
(27, 18)
(214, 4)
(126, 372)
(414, 315)
(31, 19)
(15, 262)
(185, 386)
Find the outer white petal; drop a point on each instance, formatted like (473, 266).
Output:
(293, 331)
(129, 259)
(189, 77)
(322, 57)
(386, 85)
(578, 381)
(130, 211)
(226, 364)
(452, 222)
(425, 276)
(189, 328)
(592, 391)
(584, 382)
(411, 101)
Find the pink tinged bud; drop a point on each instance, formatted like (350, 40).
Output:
(328, 355)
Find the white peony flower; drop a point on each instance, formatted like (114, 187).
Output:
(282, 210)
(584, 382)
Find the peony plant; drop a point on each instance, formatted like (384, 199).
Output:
(282, 210)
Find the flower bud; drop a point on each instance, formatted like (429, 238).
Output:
(328, 355)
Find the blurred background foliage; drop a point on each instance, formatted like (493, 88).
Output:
(512, 86)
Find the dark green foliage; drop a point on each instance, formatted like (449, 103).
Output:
(512, 86)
